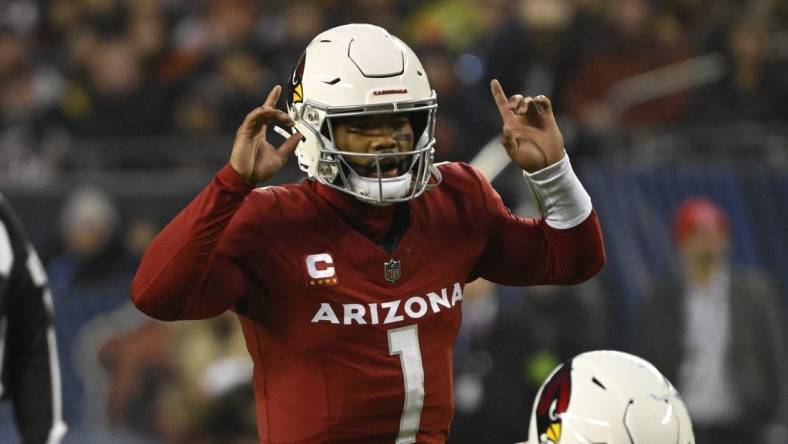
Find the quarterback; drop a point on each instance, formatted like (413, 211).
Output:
(348, 285)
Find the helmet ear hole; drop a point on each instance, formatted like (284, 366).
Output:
(325, 131)
(418, 121)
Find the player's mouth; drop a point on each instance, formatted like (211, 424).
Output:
(388, 168)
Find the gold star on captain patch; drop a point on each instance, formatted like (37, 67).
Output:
(322, 282)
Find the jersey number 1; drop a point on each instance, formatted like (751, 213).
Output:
(405, 343)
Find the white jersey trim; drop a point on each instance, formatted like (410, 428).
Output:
(6, 262)
(6, 252)
(59, 428)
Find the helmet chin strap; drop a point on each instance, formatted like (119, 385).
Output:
(392, 187)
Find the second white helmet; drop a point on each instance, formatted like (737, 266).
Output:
(359, 70)
(609, 397)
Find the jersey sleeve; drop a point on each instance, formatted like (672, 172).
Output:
(183, 274)
(525, 251)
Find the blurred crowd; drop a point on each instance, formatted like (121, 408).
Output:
(77, 71)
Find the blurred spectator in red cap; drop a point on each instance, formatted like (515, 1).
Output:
(714, 329)
(700, 226)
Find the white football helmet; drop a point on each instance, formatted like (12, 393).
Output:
(358, 70)
(608, 397)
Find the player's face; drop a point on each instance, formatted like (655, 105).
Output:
(381, 133)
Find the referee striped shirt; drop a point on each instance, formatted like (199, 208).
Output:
(28, 354)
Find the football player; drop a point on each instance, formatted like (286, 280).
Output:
(28, 353)
(611, 397)
(348, 285)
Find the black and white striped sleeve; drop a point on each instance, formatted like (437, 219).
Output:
(28, 353)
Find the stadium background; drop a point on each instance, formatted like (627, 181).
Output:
(115, 113)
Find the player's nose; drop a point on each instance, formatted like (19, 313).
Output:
(385, 141)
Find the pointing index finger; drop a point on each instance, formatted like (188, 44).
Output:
(500, 99)
(273, 96)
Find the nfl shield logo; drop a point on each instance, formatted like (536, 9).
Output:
(392, 270)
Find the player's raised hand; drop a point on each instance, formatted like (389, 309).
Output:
(253, 157)
(530, 133)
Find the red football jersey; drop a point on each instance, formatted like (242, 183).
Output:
(350, 343)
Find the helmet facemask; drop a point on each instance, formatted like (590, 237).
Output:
(368, 182)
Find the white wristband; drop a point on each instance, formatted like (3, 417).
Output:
(563, 201)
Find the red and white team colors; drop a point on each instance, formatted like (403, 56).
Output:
(350, 344)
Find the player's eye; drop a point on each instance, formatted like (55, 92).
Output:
(372, 126)
(400, 122)
(361, 128)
